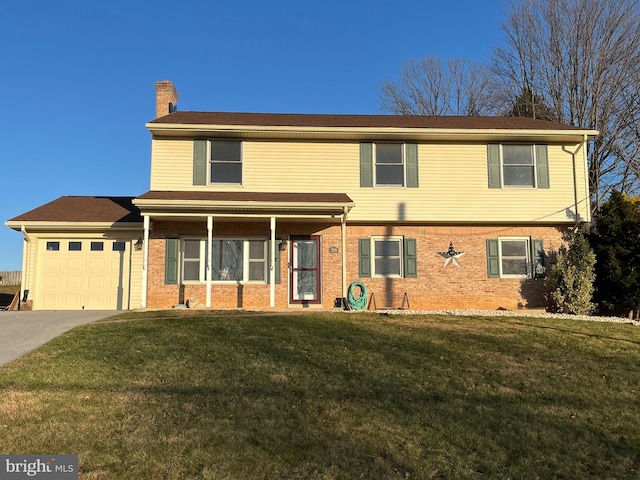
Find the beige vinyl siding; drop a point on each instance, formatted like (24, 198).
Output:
(172, 164)
(452, 177)
(31, 253)
(301, 166)
(454, 188)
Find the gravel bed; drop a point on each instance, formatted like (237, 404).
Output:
(513, 313)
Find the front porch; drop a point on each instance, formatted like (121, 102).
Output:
(243, 251)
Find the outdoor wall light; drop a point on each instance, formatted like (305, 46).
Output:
(282, 246)
(138, 244)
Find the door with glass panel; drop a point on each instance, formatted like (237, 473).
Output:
(304, 270)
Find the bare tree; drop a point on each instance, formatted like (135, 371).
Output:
(431, 87)
(582, 57)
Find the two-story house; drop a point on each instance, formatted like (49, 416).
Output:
(250, 210)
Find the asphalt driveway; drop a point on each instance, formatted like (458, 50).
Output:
(24, 331)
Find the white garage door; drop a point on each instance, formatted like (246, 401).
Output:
(83, 274)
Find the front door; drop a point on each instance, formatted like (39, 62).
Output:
(304, 270)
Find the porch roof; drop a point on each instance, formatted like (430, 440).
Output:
(243, 204)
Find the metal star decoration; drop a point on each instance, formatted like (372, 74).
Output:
(451, 256)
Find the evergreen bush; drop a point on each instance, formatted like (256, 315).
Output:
(570, 282)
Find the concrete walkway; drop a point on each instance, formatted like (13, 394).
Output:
(24, 331)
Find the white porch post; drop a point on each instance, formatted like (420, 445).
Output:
(145, 263)
(209, 253)
(343, 235)
(272, 271)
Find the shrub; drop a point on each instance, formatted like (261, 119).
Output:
(616, 242)
(569, 284)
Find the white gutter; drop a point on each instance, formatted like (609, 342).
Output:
(75, 226)
(498, 132)
(586, 177)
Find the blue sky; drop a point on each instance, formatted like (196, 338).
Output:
(78, 76)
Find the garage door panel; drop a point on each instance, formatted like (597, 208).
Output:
(52, 264)
(72, 302)
(74, 264)
(51, 282)
(115, 263)
(50, 301)
(73, 281)
(96, 264)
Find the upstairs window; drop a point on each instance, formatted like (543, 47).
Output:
(389, 159)
(389, 164)
(518, 165)
(225, 161)
(217, 162)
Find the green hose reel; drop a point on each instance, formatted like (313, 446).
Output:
(357, 302)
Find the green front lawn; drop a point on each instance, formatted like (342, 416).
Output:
(181, 395)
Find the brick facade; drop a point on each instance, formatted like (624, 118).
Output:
(435, 287)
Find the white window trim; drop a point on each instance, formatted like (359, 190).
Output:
(535, 167)
(203, 266)
(400, 240)
(403, 164)
(209, 162)
(528, 242)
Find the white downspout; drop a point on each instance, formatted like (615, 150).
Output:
(209, 254)
(25, 261)
(272, 271)
(585, 165)
(145, 263)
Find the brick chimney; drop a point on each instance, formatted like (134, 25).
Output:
(166, 98)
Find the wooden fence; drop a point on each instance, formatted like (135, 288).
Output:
(11, 278)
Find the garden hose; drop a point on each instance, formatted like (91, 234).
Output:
(357, 302)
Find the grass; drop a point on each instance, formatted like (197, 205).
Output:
(9, 289)
(178, 395)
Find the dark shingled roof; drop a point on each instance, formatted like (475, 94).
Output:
(293, 198)
(345, 121)
(84, 209)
